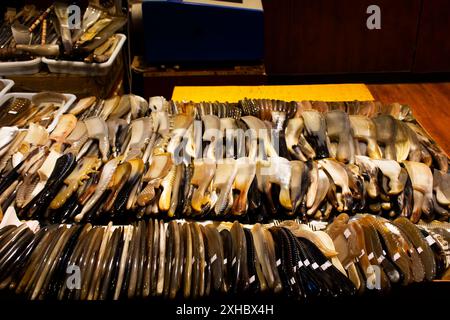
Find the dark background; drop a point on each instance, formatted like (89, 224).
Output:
(306, 39)
(330, 36)
(420, 301)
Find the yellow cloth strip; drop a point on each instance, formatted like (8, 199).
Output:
(323, 92)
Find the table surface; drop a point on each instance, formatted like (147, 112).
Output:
(430, 103)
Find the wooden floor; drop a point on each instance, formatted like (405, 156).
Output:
(430, 103)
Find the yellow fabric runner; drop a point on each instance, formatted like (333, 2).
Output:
(323, 92)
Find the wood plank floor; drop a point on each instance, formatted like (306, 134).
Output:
(430, 103)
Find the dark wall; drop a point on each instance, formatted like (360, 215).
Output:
(330, 36)
(433, 44)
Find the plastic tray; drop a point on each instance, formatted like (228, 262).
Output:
(63, 109)
(8, 84)
(85, 68)
(20, 67)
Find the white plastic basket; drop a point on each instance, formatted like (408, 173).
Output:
(70, 99)
(8, 84)
(20, 67)
(85, 68)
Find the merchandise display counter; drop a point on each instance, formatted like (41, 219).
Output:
(129, 198)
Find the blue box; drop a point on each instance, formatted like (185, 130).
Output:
(203, 31)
